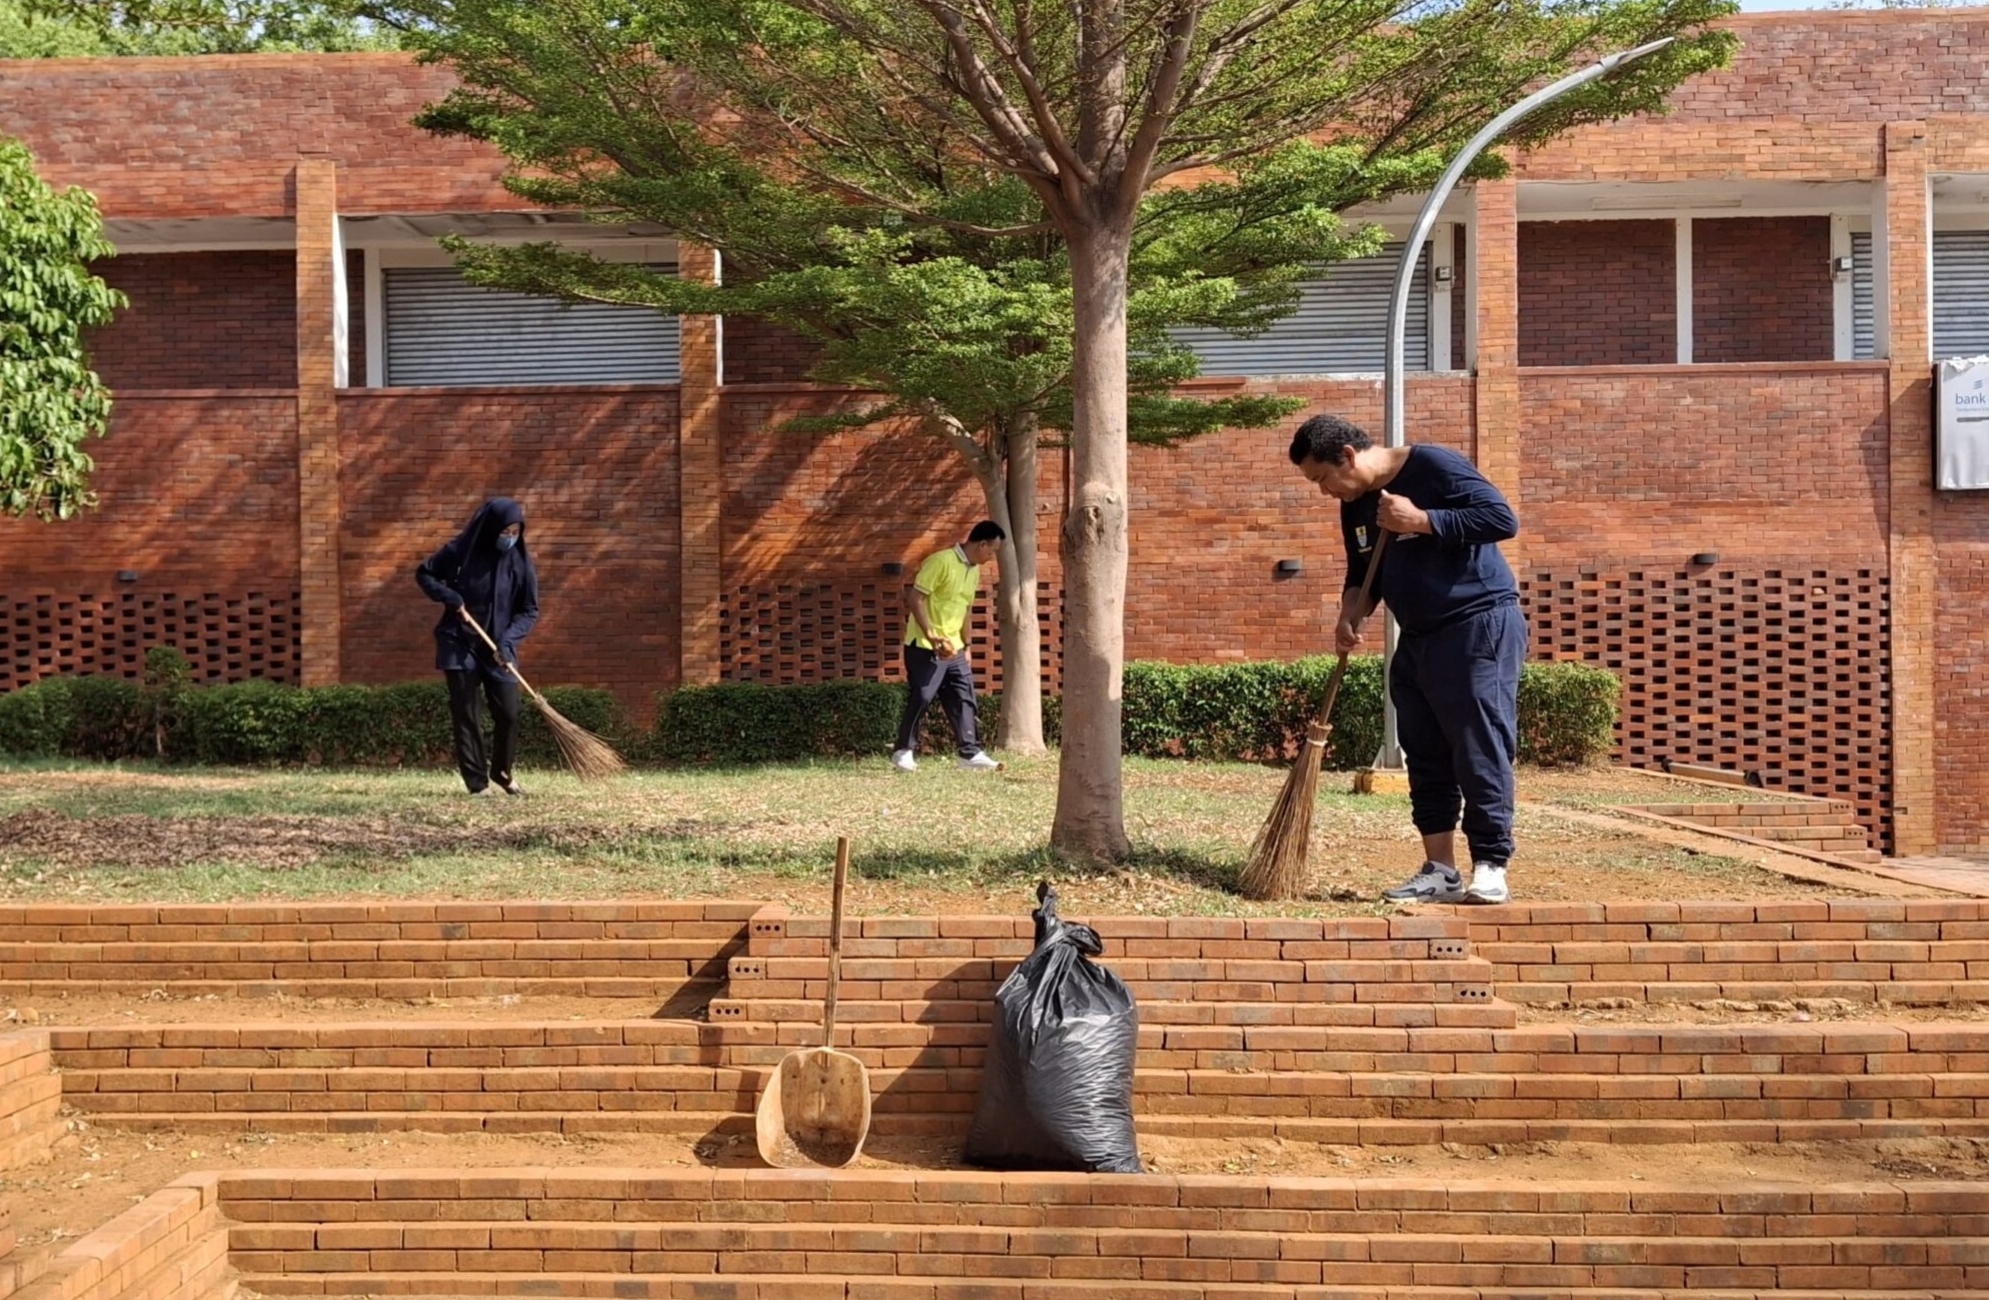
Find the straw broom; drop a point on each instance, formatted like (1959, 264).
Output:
(1277, 856)
(590, 757)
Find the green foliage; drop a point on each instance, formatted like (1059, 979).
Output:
(50, 400)
(745, 722)
(258, 722)
(54, 28)
(1248, 712)
(1567, 712)
(857, 198)
(35, 721)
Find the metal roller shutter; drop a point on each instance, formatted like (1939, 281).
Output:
(1862, 330)
(1961, 293)
(1340, 327)
(444, 331)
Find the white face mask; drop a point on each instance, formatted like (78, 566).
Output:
(505, 541)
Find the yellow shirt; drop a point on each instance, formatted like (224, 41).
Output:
(950, 585)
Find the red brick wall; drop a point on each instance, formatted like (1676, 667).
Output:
(199, 498)
(1653, 465)
(122, 128)
(757, 352)
(1211, 519)
(1961, 670)
(1761, 289)
(1776, 656)
(200, 320)
(1597, 293)
(417, 463)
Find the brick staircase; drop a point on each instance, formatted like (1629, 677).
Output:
(887, 1235)
(1371, 1031)
(377, 950)
(1817, 827)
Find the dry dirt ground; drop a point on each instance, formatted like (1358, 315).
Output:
(99, 1172)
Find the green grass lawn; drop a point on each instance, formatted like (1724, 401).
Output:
(931, 839)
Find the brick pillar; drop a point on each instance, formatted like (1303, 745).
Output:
(700, 471)
(1494, 269)
(317, 417)
(1909, 343)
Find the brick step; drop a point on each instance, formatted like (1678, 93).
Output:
(608, 949)
(1915, 993)
(653, 1286)
(418, 988)
(1362, 955)
(942, 979)
(953, 1125)
(1811, 836)
(718, 1249)
(774, 932)
(1832, 810)
(1417, 1003)
(698, 1053)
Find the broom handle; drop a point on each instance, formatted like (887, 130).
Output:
(835, 941)
(1340, 668)
(469, 618)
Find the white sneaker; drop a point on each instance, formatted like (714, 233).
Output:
(904, 760)
(978, 763)
(1488, 884)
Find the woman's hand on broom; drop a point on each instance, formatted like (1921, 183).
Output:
(1347, 634)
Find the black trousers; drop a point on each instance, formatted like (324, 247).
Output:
(468, 688)
(1456, 693)
(950, 681)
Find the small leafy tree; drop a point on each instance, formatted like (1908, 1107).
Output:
(50, 399)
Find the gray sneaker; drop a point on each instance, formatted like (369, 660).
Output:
(1434, 883)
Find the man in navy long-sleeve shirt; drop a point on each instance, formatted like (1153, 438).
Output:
(1455, 679)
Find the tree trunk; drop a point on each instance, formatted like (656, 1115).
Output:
(1090, 819)
(1015, 601)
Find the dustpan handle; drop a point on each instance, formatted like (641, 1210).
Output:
(835, 941)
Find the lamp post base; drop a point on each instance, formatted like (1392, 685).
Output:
(1381, 780)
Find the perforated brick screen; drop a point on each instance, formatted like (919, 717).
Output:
(226, 638)
(1778, 671)
(827, 632)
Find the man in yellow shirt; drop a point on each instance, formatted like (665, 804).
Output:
(936, 659)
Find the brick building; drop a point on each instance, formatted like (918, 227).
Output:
(1669, 339)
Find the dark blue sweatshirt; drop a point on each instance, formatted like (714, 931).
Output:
(1454, 572)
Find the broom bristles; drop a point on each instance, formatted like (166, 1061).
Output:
(1277, 866)
(590, 757)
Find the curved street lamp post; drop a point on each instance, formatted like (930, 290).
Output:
(1394, 434)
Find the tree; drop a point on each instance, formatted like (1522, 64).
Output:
(45, 28)
(50, 400)
(966, 334)
(922, 120)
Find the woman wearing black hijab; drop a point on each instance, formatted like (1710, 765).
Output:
(486, 572)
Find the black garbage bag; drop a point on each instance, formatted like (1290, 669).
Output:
(1057, 1090)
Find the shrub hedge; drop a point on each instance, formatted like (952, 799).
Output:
(1229, 712)
(1246, 712)
(259, 722)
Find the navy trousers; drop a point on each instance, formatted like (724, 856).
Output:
(950, 681)
(1456, 693)
(468, 688)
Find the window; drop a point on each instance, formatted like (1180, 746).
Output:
(1340, 327)
(441, 330)
(1961, 294)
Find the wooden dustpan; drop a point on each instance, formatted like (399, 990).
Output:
(815, 1110)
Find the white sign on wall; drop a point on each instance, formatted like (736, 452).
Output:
(1961, 423)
